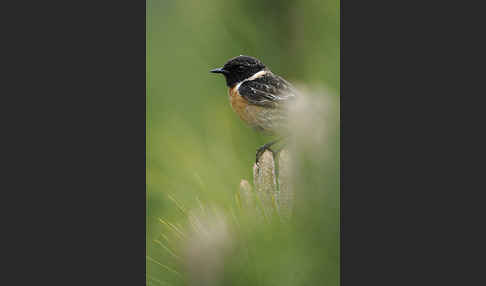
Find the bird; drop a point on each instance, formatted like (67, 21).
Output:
(259, 97)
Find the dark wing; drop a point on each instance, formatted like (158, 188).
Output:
(268, 90)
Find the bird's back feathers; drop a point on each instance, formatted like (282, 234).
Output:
(269, 90)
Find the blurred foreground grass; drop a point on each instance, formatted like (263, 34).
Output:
(198, 150)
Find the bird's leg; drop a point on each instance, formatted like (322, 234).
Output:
(265, 147)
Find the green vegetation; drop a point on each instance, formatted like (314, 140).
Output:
(198, 150)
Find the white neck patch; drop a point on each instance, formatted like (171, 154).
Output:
(255, 76)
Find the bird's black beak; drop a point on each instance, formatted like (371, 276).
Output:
(219, 70)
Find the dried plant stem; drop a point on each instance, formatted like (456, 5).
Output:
(272, 188)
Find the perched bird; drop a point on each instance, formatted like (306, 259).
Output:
(259, 97)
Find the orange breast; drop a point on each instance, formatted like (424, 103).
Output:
(252, 114)
(238, 103)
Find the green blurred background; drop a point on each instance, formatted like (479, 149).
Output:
(198, 148)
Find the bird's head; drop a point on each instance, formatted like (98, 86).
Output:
(239, 68)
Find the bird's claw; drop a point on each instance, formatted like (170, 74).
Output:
(261, 150)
